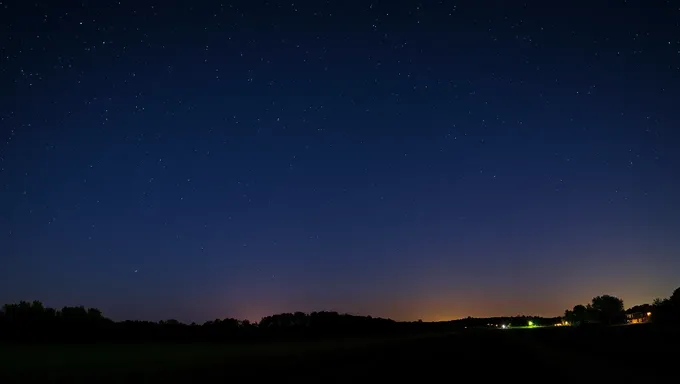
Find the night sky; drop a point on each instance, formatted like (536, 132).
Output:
(434, 160)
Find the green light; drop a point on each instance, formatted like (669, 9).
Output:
(531, 323)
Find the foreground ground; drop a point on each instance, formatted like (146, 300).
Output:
(616, 353)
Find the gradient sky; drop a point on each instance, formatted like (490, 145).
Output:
(433, 159)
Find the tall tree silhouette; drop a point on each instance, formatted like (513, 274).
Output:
(667, 311)
(608, 309)
(675, 297)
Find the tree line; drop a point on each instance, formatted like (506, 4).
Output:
(609, 310)
(34, 322)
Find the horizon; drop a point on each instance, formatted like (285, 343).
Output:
(198, 160)
(626, 307)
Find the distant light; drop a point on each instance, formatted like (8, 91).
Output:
(504, 326)
(649, 313)
(531, 323)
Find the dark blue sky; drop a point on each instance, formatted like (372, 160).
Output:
(431, 159)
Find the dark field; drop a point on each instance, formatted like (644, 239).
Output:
(615, 353)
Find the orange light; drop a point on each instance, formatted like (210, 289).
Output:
(649, 313)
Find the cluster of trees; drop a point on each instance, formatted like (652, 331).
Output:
(609, 310)
(605, 309)
(36, 313)
(34, 322)
(667, 311)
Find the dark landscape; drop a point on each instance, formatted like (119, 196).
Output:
(601, 344)
(626, 352)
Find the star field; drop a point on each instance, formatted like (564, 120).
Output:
(430, 159)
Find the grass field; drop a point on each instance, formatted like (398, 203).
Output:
(616, 353)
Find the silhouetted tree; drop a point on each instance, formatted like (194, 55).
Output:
(675, 297)
(94, 314)
(608, 309)
(579, 314)
(667, 311)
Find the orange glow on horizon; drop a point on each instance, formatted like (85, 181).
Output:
(445, 306)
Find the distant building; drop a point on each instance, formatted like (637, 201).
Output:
(638, 317)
